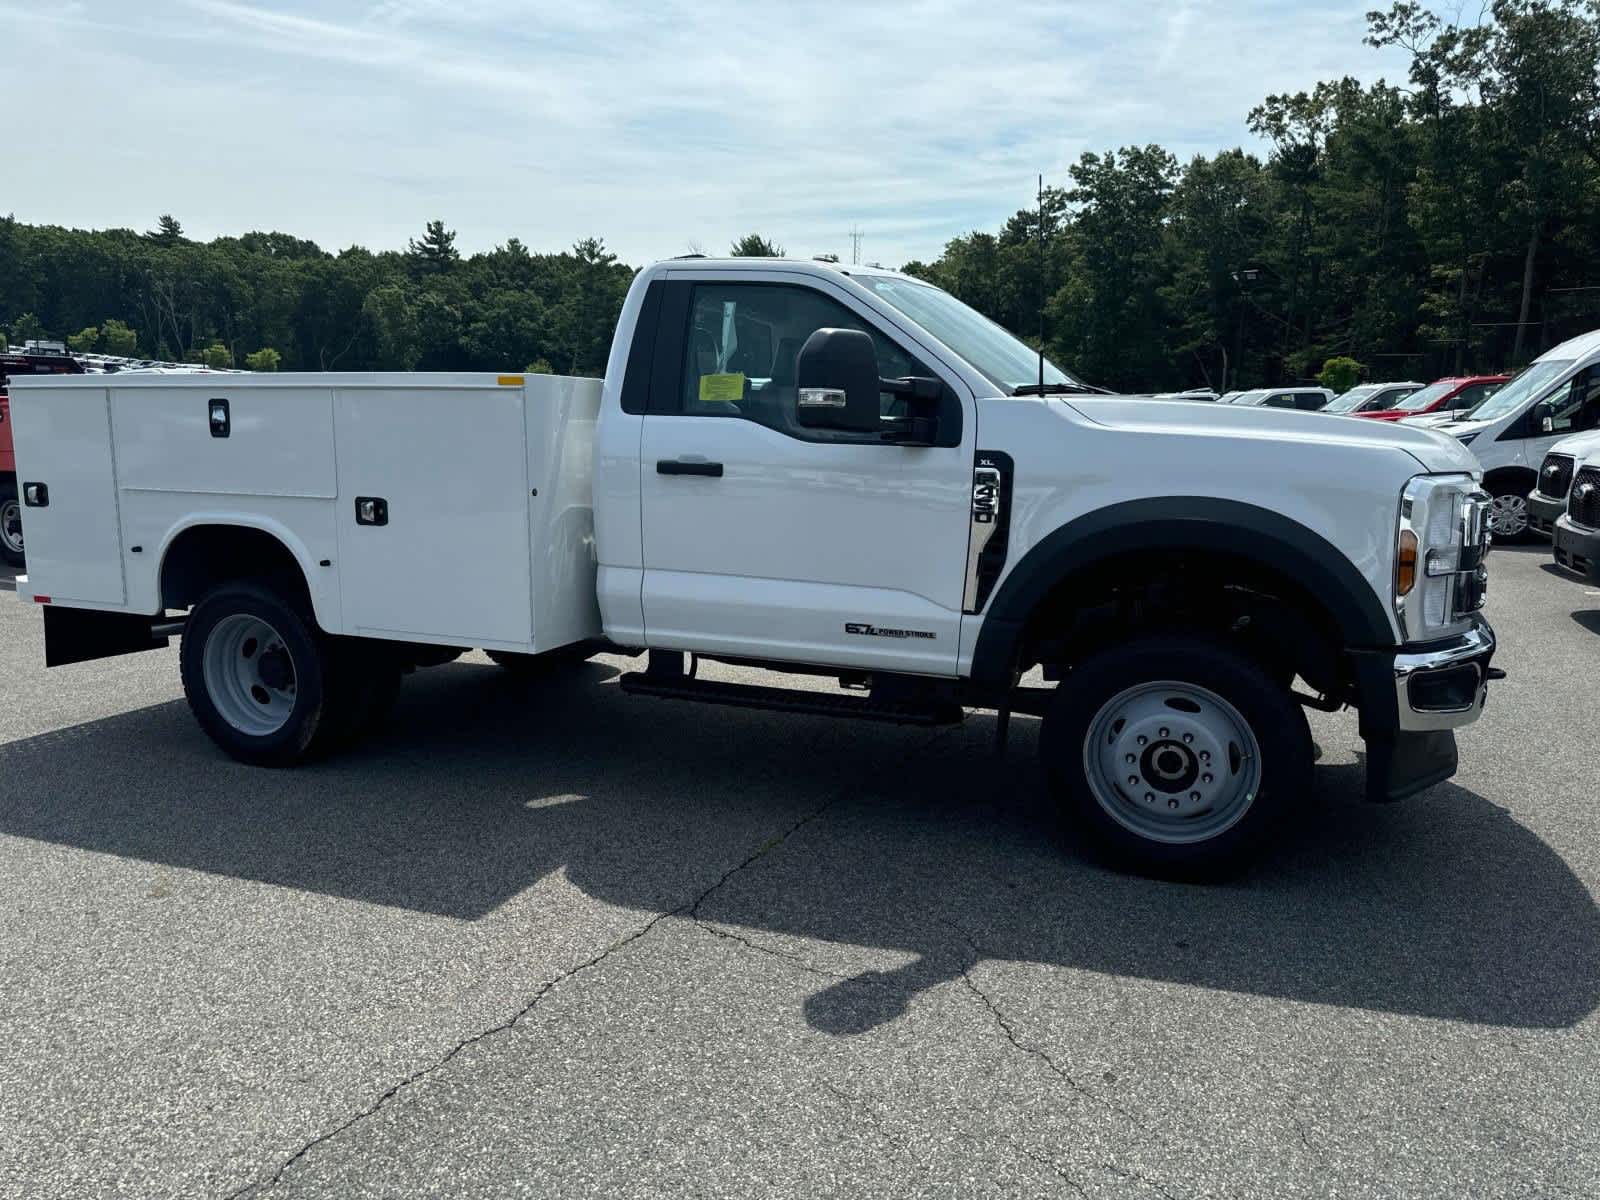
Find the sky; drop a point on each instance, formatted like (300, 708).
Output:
(664, 127)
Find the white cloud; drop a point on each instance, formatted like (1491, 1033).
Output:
(652, 127)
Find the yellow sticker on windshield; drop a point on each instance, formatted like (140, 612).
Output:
(721, 387)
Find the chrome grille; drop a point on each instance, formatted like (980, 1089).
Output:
(1583, 505)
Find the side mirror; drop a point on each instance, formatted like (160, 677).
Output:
(836, 373)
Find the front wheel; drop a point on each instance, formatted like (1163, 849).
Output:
(1177, 755)
(1508, 517)
(10, 525)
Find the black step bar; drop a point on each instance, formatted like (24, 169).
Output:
(820, 704)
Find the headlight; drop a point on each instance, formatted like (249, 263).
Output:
(1440, 544)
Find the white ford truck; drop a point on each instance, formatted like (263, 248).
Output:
(839, 473)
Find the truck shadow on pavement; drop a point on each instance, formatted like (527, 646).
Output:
(785, 832)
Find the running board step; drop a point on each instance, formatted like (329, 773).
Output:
(821, 704)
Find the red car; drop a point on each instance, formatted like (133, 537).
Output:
(1455, 394)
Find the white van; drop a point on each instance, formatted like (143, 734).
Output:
(1556, 396)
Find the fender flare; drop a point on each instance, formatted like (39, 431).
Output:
(275, 529)
(1176, 523)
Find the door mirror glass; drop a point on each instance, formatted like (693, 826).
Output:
(836, 374)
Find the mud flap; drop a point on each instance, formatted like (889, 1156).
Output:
(80, 634)
(1403, 764)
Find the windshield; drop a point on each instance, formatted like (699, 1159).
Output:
(1351, 400)
(1524, 387)
(999, 357)
(1418, 401)
(1254, 397)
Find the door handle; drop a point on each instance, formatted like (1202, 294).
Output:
(676, 466)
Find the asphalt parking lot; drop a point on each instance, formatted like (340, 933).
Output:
(554, 941)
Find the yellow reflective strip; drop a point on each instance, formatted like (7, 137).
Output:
(510, 381)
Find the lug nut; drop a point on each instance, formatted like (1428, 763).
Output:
(1165, 732)
(1172, 803)
(1187, 738)
(1133, 781)
(1149, 797)
(1205, 779)
(1127, 758)
(1142, 739)
(1195, 796)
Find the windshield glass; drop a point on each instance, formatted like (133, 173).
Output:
(1351, 400)
(1001, 358)
(1418, 401)
(1254, 397)
(1524, 387)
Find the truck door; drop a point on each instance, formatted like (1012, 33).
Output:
(763, 540)
(68, 489)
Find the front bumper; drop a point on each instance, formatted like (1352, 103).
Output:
(1577, 548)
(1444, 685)
(1412, 700)
(1543, 513)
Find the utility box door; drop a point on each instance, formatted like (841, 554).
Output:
(63, 445)
(448, 561)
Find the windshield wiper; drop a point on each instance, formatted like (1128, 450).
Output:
(1053, 389)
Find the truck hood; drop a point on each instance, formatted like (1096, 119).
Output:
(1435, 452)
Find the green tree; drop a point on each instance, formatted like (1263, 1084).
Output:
(1339, 374)
(391, 322)
(118, 339)
(26, 328)
(217, 356)
(168, 232)
(539, 366)
(436, 253)
(264, 359)
(753, 245)
(84, 341)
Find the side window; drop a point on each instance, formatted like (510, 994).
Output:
(1279, 400)
(741, 346)
(1578, 407)
(1310, 400)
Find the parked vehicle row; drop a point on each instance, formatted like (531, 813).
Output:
(833, 472)
(1515, 427)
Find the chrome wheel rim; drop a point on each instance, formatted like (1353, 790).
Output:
(1508, 515)
(249, 674)
(1172, 762)
(11, 526)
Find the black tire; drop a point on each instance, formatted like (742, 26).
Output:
(320, 686)
(1271, 715)
(11, 549)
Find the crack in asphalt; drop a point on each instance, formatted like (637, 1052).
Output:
(688, 908)
(1034, 1052)
(1044, 1160)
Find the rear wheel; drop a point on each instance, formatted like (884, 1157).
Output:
(1178, 755)
(258, 675)
(10, 525)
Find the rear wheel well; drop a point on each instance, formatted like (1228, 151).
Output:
(203, 556)
(1262, 611)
